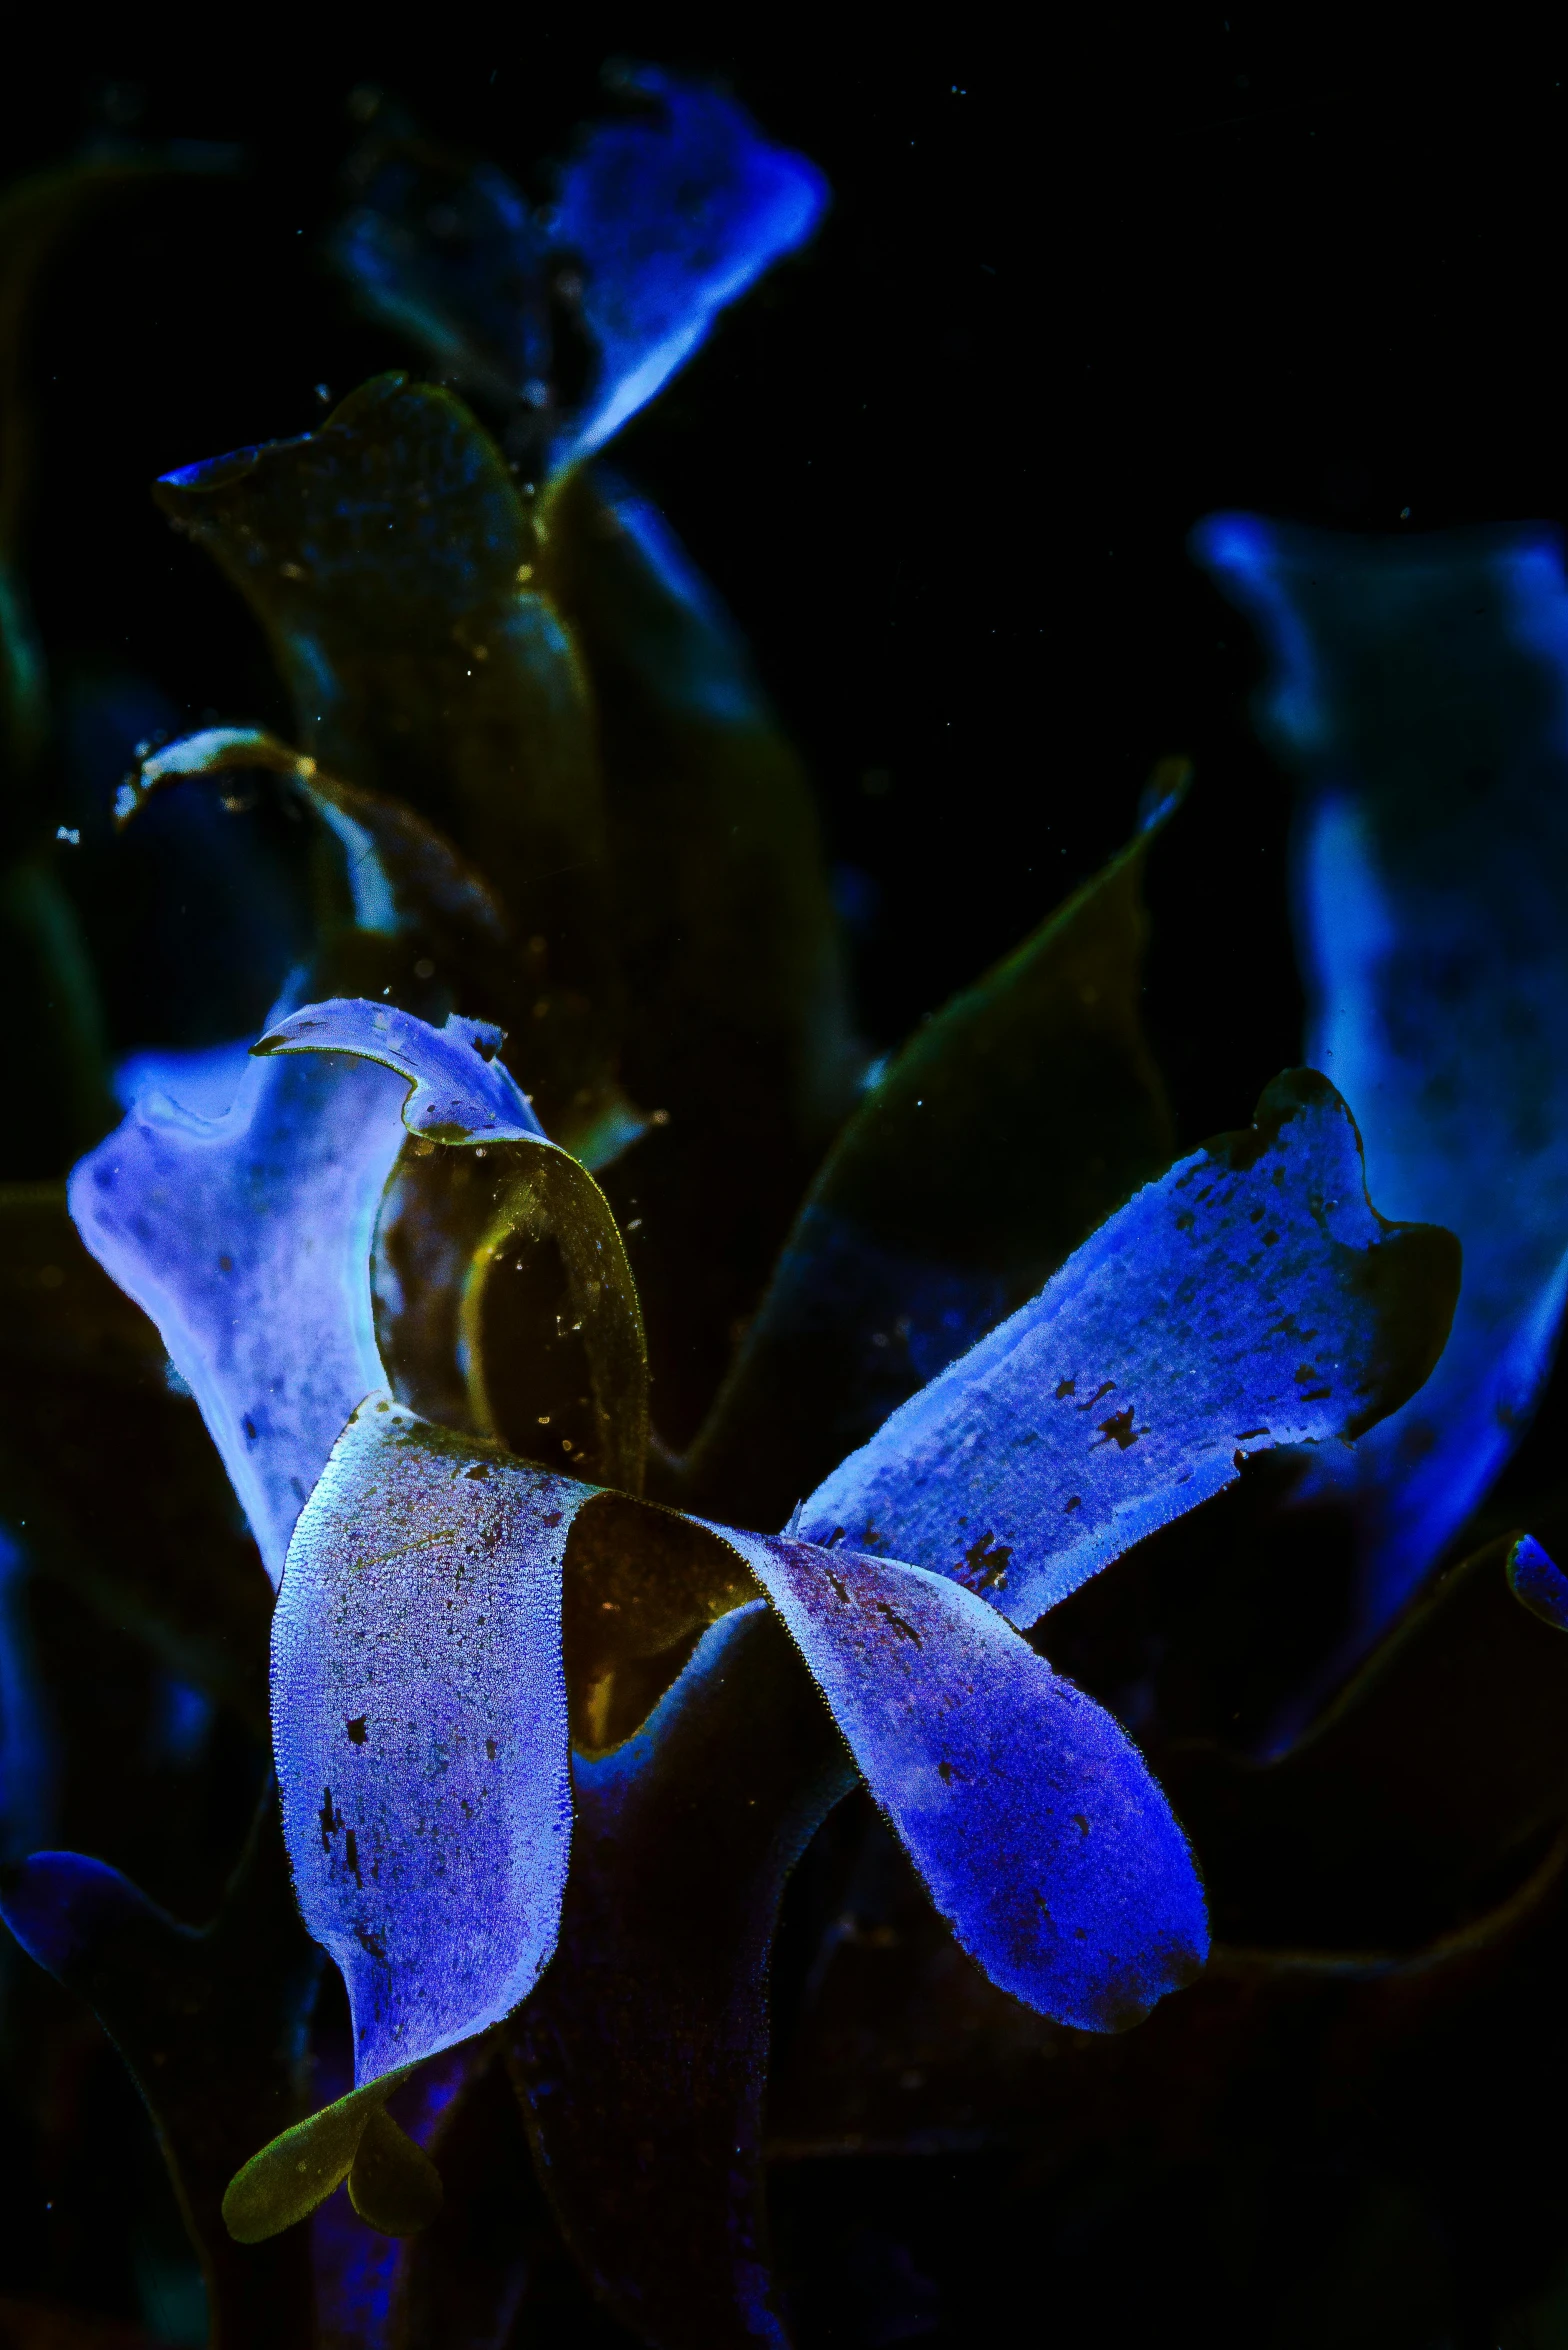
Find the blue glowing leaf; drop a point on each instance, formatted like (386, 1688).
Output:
(1251, 1297)
(247, 1241)
(1417, 692)
(27, 1759)
(671, 215)
(461, 1091)
(1538, 1583)
(420, 1729)
(1029, 1813)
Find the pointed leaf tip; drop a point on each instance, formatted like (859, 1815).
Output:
(1538, 1583)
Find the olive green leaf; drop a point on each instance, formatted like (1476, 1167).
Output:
(391, 560)
(736, 1023)
(1007, 1129)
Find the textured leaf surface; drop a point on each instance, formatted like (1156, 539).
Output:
(1029, 1813)
(247, 1241)
(1252, 1297)
(1008, 1127)
(420, 1728)
(1416, 690)
(188, 2009)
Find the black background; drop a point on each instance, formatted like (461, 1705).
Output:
(1072, 295)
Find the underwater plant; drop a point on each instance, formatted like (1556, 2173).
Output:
(658, 1439)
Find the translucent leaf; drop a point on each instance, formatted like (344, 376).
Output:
(1006, 1130)
(462, 1094)
(671, 215)
(389, 558)
(109, 1468)
(737, 1024)
(1251, 1297)
(247, 1242)
(213, 2026)
(419, 1705)
(1416, 691)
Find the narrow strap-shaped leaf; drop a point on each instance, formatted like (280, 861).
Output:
(737, 1020)
(247, 1241)
(1004, 1132)
(462, 1094)
(420, 1729)
(213, 2027)
(1415, 690)
(1251, 1297)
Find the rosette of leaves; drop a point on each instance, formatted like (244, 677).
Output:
(588, 1611)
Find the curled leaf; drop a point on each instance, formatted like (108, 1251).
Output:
(462, 1094)
(247, 1241)
(1251, 1297)
(419, 1710)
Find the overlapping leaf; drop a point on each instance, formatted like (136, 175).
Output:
(1251, 1297)
(390, 559)
(1006, 1130)
(1415, 690)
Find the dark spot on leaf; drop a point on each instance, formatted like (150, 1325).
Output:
(983, 1568)
(1119, 1430)
(1270, 1238)
(351, 1856)
(945, 1772)
(1074, 1502)
(477, 1469)
(249, 1426)
(1066, 1387)
(1107, 1387)
(1081, 1823)
(371, 1942)
(551, 1518)
(357, 1729)
(905, 1631)
(490, 1748)
(331, 1819)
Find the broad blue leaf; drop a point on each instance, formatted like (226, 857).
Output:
(1251, 1297)
(1418, 691)
(247, 1241)
(420, 1730)
(1029, 1813)
(671, 215)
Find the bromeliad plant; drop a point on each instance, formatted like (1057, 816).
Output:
(653, 1423)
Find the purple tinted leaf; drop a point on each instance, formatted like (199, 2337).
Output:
(461, 1091)
(1416, 690)
(1538, 1583)
(1251, 1297)
(247, 1241)
(1029, 1813)
(420, 1728)
(671, 216)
